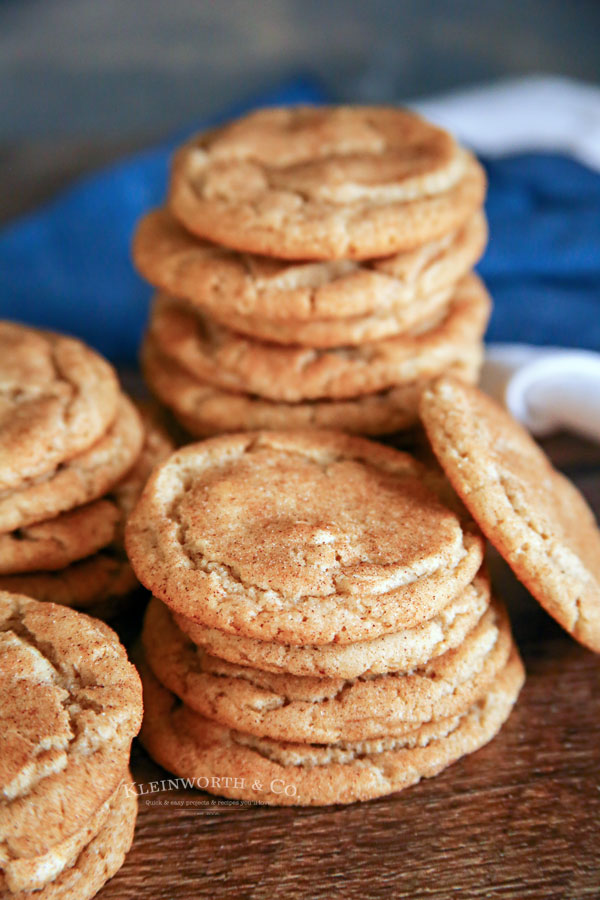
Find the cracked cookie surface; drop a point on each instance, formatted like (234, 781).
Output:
(533, 515)
(57, 398)
(99, 583)
(79, 480)
(33, 873)
(70, 704)
(325, 183)
(91, 864)
(194, 747)
(306, 537)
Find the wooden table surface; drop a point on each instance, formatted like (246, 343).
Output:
(518, 819)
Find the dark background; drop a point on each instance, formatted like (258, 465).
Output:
(128, 66)
(84, 80)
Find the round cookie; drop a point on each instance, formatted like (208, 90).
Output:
(70, 704)
(531, 513)
(397, 652)
(325, 183)
(227, 762)
(301, 538)
(57, 398)
(232, 362)
(79, 480)
(53, 544)
(325, 710)
(99, 583)
(32, 874)
(204, 410)
(98, 861)
(301, 300)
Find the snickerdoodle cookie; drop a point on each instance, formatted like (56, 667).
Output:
(98, 585)
(318, 304)
(76, 868)
(55, 543)
(398, 652)
(325, 183)
(532, 514)
(326, 710)
(57, 398)
(79, 480)
(99, 582)
(300, 537)
(235, 764)
(204, 410)
(70, 704)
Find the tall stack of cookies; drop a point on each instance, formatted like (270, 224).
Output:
(313, 268)
(74, 456)
(322, 630)
(70, 704)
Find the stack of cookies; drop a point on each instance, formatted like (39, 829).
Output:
(322, 630)
(74, 456)
(70, 704)
(313, 268)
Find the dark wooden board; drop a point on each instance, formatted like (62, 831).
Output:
(519, 819)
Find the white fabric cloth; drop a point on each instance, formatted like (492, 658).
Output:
(525, 114)
(545, 388)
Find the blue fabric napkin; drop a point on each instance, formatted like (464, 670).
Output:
(542, 264)
(67, 265)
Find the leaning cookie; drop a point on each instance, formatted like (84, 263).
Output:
(233, 764)
(326, 710)
(532, 514)
(325, 183)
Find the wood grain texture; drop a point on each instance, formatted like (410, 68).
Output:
(519, 819)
